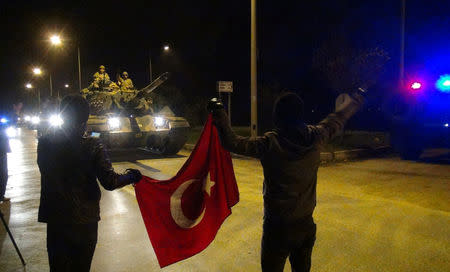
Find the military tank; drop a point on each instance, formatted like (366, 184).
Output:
(124, 120)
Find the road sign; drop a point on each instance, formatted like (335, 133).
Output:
(225, 86)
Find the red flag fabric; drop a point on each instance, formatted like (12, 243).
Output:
(183, 214)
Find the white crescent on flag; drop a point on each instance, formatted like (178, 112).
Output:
(175, 203)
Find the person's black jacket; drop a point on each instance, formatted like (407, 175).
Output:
(290, 158)
(69, 171)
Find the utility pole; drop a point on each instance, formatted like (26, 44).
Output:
(402, 44)
(51, 87)
(79, 68)
(150, 65)
(253, 73)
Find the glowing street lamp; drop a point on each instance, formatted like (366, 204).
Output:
(166, 48)
(67, 85)
(55, 40)
(29, 86)
(37, 71)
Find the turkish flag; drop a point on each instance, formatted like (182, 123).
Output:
(183, 214)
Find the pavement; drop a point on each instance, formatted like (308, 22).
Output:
(335, 156)
(381, 214)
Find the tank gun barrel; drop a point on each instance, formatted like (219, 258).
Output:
(155, 83)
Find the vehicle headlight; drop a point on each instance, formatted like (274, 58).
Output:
(11, 132)
(35, 120)
(160, 122)
(27, 118)
(55, 120)
(3, 120)
(114, 123)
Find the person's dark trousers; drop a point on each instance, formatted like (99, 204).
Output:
(3, 174)
(71, 246)
(280, 241)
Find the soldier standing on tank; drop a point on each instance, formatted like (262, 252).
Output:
(124, 82)
(101, 78)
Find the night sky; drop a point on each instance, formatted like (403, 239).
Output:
(210, 40)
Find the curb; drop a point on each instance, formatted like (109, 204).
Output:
(335, 156)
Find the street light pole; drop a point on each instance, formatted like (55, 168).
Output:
(79, 68)
(39, 99)
(150, 65)
(51, 85)
(253, 73)
(402, 44)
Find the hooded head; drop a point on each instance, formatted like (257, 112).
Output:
(288, 111)
(75, 113)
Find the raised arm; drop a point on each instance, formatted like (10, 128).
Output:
(248, 146)
(328, 128)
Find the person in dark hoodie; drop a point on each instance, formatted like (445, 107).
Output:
(290, 157)
(70, 165)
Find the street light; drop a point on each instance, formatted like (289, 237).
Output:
(30, 86)
(37, 71)
(166, 48)
(55, 40)
(67, 85)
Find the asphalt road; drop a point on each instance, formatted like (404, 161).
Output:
(380, 214)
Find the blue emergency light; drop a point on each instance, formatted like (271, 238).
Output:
(443, 83)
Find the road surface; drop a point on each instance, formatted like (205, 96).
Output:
(380, 214)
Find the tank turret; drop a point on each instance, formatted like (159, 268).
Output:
(124, 118)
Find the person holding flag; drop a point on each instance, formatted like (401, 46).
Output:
(70, 164)
(290, 157)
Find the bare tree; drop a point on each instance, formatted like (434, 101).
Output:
(346, 68)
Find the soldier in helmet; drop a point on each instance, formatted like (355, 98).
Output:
(101, 79)
(124, 82)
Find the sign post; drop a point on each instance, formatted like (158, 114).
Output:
(226, 87)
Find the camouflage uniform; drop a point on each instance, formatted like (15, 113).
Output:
(125, 83)
(101, 80)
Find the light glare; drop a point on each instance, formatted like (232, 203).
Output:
(416, 85)
(159, 121)
(114, 123)
(56, 120)
(37, 71)
(55, 40)
(28, 86)
(443, 83)
(11, 132)
(35, 120)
